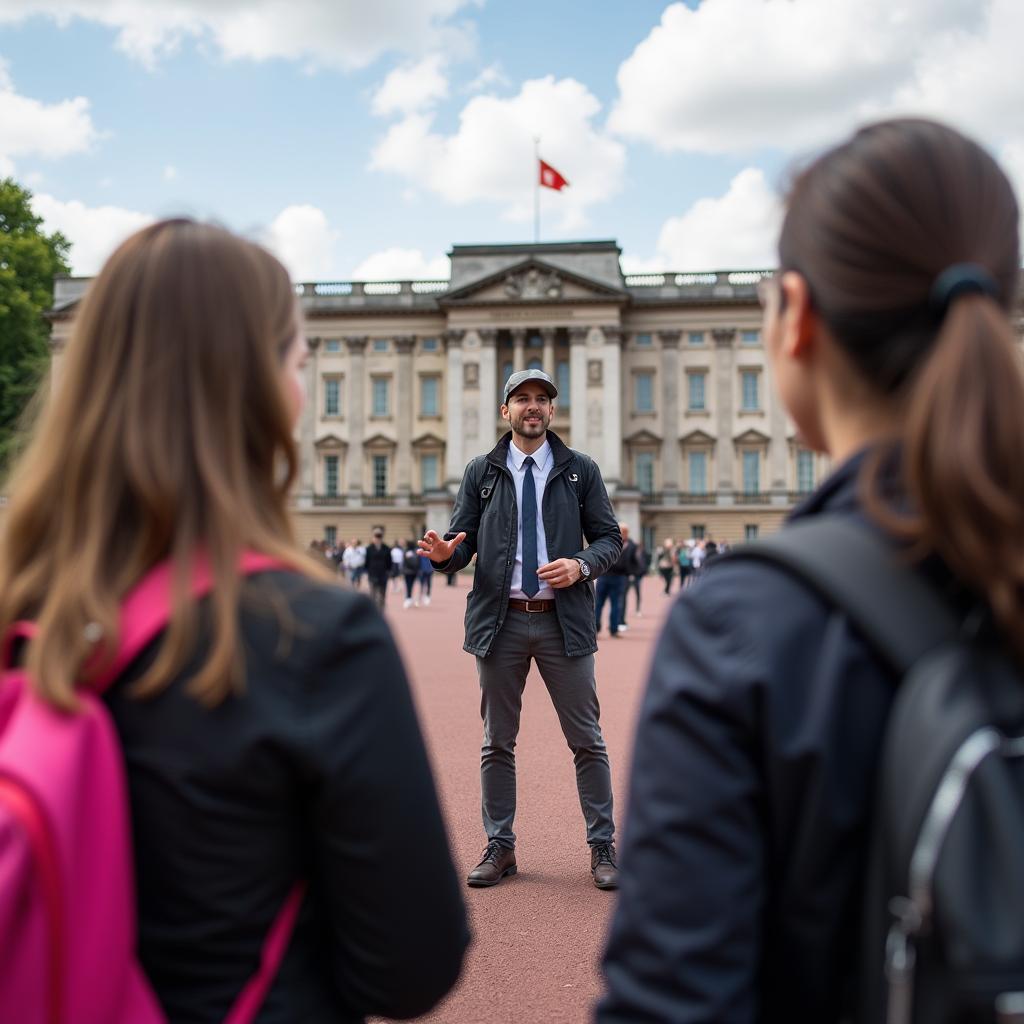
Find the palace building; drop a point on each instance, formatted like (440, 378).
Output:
(662, 379)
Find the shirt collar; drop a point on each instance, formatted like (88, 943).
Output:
(541, 456)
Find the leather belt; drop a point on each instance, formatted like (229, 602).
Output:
(531, 606)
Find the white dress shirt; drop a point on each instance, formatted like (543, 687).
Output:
(542, 463)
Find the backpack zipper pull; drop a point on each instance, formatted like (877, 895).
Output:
(901, 959)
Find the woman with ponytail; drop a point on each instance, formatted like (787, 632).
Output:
(889, 340)
(268, 733)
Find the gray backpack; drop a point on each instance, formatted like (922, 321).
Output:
(944, 892)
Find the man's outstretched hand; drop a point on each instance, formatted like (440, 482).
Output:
(438, 550)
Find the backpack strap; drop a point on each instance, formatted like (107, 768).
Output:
(146, 610)
(856, 570)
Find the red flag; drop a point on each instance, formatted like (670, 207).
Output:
(550, 178)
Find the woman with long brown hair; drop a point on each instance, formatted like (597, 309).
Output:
(268, 733)
(888, 335)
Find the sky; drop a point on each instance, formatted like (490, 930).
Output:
(361, 139)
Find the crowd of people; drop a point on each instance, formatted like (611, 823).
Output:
(291, 858)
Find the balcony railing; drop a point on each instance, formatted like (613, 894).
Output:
(330, 499)
(753, 498)
(680, 497)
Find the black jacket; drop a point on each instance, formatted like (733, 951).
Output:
(318, 772)
(378, 563)
(751, 798)
(575, 508)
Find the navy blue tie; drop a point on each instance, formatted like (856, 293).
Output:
(530, 584)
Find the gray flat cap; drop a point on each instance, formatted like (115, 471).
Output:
(520, 377)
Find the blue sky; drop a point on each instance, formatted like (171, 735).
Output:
(358, 143)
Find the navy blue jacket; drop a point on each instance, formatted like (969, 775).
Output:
(750, 803)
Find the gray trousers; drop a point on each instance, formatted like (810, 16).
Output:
(573, 691)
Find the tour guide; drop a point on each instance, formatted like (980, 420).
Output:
(524, 511)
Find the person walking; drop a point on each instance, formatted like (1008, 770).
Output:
(526, 510)
(641, 567)
(410, 570)
(268, 734)
(752, 789)
(377, 563)
(612, 586)
(397, 554)
(666, 563)
(426, 578)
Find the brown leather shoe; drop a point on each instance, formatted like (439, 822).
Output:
(498, 861)
(603, 866)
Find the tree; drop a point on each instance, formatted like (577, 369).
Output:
(29, 259)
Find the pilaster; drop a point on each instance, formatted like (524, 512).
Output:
(488, 400)
(454, 463)
(356, 416)
(548, 336)
(611, 421)
(404, 346)
(725, 390)
(518, 348)
(307, 428)
(670, 411)
(578, 388)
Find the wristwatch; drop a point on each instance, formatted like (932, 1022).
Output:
(584, 569)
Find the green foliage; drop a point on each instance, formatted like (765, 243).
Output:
(29, 259)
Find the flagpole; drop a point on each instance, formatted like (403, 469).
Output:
(536, 190)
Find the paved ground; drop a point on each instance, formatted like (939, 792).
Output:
(538, 936)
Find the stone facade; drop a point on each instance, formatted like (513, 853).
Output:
(662, 379)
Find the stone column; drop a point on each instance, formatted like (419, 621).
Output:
(307, 428)
(725, 387)
(611, 425)
(454, 462)
(403, 455)
(356, 416)
(518, 348)
(578, 388)
(778, 455)
(548, 336)
(488, 396)
(670, 411)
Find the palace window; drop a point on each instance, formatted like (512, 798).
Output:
(429, 475)
(380, 476)
(751, 472)
(429, 344)
(332, 396)
(750, 531)
(380, 344)
(804, 470)
(331, 535)
(331, 475)
(750, 337)
(430, 388)
(332, 345)
(696, 383)
(644, 341)
(643, 392)
(643, 466)
(698, 466)
(750, 399)
(381, 396)
(695, 338)
(697, 531)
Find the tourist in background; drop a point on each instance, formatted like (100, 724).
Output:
(666, 563)
(410, 572)
(377, 562)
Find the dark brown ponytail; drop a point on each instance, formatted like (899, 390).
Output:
(872, 225)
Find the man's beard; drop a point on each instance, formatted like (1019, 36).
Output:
(525, 429)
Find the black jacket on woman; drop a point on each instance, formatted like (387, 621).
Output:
(750, 806)
(319, 773)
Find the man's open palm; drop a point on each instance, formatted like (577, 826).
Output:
(438, 550)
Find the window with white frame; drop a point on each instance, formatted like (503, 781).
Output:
(380, 476)
(804, 470)
(698, 470)
(429, 472)
(750, 337)
(332, 345)
(429, 344)
(430, 396)
(697, 531)
(643, 466)
(695, 337)
(643, 392)
(331, 475)
(381, 396)
(380, 344)
(749, 397)
(696, 385)
(644, 341)
(751, 472)
(331, 535)
(750, 531)
(562, 377)
(332, 396)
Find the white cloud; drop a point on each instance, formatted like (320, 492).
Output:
(411, 87)
(402, 265)
(341, 33)
(493, 74)
(170, 172)
(303, 240)
(94, 231)
(734, 231)
(491, 156)
(735, 75)
(7, 168)
(29, 127)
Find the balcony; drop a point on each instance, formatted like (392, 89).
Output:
(329, 500)
(753, 498)
(679, 498)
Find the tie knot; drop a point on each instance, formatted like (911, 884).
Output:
(528, 462)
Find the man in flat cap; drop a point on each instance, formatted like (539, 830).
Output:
(525, 510)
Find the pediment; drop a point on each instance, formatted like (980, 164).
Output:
(532, 281)
(695, 437)
(330, 441)
(643, 437)
(428, 440)
(380, 441)
(751, 437)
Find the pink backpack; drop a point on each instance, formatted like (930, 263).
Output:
(67, 886)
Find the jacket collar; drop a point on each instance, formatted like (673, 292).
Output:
(560, 452)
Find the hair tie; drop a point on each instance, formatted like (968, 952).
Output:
(961, 279)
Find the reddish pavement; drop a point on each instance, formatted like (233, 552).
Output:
(537, 937)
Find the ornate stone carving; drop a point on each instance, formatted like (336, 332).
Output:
(724, 336)
(357, 346)
(534, 284)
(669, 339)
(488, 336)
(453, 337)
(578, 335)
(313, 342)
(595, 371)
(614, 335)
(405, 343)
(471, 375)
